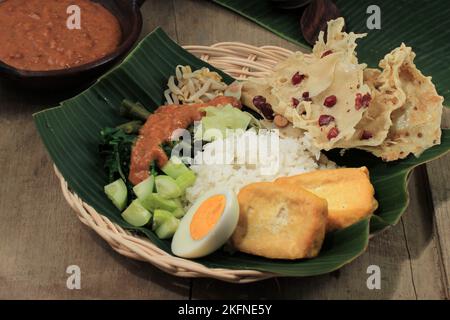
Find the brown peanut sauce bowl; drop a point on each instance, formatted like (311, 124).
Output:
(128, 14)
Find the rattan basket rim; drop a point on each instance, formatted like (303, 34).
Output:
(239, 60)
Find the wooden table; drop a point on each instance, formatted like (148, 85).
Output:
(40, 235)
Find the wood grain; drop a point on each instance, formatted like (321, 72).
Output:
(439, 184)
(159, 14)
(204, 23)
(40, 236)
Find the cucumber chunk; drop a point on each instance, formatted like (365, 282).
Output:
(167, 187)
(136, 214)
(159, 217)
(178, 213)
(145, 188)
(155, 201)
(117, 193)
(186, 180)
(174, 168)
(167, 229)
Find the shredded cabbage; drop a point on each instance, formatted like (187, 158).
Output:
(218, 119)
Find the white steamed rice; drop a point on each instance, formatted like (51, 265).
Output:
(295, 154)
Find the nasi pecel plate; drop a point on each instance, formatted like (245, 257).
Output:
(71, 135)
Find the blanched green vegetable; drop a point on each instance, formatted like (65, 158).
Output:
(134, 110)
(136, 214)
(117, 193)
(115, 149)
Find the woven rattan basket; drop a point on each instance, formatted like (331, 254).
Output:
(240, 61)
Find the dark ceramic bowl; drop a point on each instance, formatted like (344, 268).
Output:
(129, 16)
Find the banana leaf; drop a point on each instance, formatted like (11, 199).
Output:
(71, 134)
(421, 24)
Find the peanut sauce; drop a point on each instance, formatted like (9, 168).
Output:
(34, 34)
(159, 128)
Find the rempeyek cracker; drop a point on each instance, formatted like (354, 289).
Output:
(416, 123)
(387, 96)
(343, 104)
(317, 92)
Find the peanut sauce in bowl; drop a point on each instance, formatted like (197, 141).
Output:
(35, 35)
(62, 43)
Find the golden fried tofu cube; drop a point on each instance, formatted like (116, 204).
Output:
(348, 191)
(279, 221)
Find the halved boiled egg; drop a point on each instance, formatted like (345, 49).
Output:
(207, 225)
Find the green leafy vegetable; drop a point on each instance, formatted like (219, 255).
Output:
(115, 148)
(153, 168)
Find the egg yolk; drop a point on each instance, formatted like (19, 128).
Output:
(206, 216)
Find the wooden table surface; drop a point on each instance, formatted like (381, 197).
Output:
(40, 235)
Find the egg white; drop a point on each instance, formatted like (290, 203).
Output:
(182, 243)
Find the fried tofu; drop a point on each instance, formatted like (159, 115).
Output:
(280, 221)
(348, 191)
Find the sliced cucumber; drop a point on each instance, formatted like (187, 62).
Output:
(159, 217)
(174, 168)
(145, 188)
(178, 213)
(136, 214)
(117, 193)
(167, 229)
(155, 201)
(186, 180)
(167, 187)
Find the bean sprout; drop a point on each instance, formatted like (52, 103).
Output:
(193, 87)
